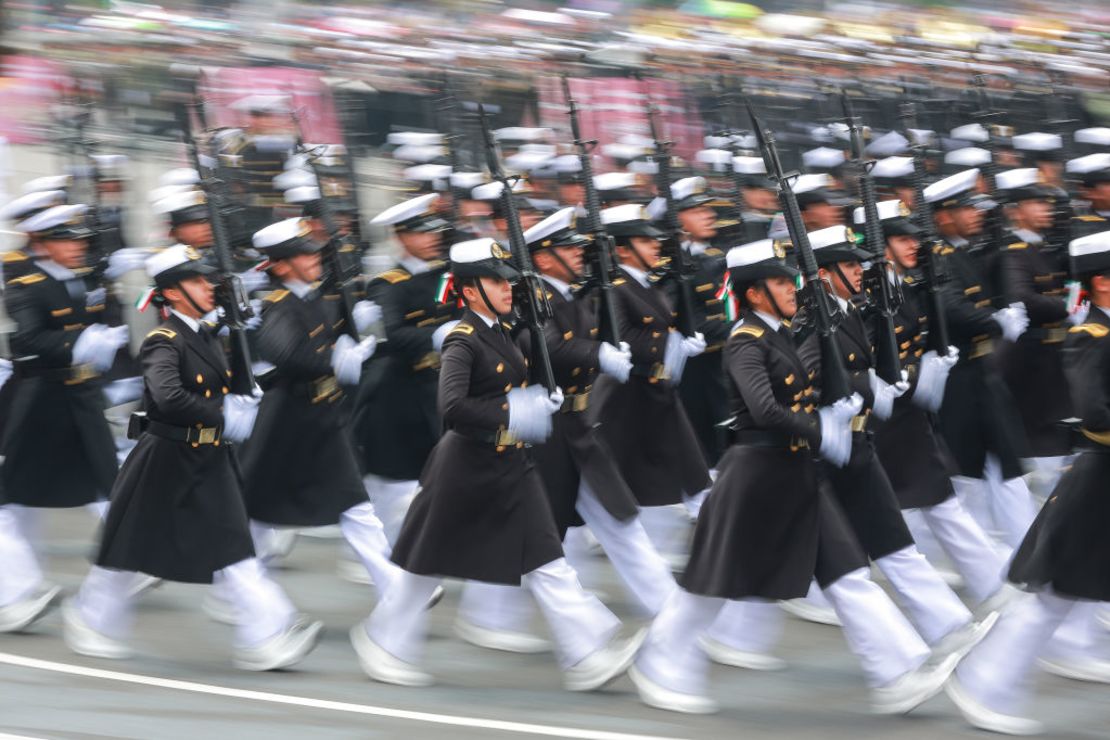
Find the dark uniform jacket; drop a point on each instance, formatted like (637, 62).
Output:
(1067, 548)
(978, 414)
(299, 465)
(703, 381)
(480, 512)
(177, 509)
(1032, 366)
(643, 420)
(57, 445)
(576, 448)
(396, 423)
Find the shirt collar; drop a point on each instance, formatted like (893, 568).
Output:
(489, 322)
(636, 274)
(559, 285)
(192, 323)
(841, 302)
(1104, 310)
(1029, 237)
(297, 287)
(56, 271)
(957, 241)
(415, 265)
(769, 320)
(695, 248)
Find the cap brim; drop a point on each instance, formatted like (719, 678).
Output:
(429, 225)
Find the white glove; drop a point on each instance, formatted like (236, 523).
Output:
(98, 344)
(674, 356)
(554, 400)
(253, 280)
(885, 393)
(530, 411)
(366, 314)
(932, 377)
(1079, 315)
(615, 362)
(255, 320)
(695, 345)
(5, 371)
(240, 411)
(124, 390)
(347, 358)
(1014, 321)
(441, 333)
(836, 429)
(126, 260)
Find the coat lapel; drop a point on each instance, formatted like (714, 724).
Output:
(498, 342)
(199, 346)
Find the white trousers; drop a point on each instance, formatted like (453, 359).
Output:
(497, 606)
(1013, 507)
(106, 603)
(580, 624)
(979, 560)
(668, 529)
(928, 601)
(880, 637)
(20, 575)
(391, 499)
(751, 625)
(1046, 474)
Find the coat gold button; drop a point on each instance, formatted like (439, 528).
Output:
(501, 367)
(200, 378)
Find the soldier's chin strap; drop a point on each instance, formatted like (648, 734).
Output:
(485, 298)
(844, 280)
(770, 297)
(639, 257)
(189, 297)
(574, 276)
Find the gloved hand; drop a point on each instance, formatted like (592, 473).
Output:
(5, 371)
(97, 345)
(253, 280)
(530, 411)
(932, 377)
(255, 320)
(554, 400)
(695, 345)
(441, 333)
(240, 411)
(1014, 321)
(124, 390)
(1079, 315)
(679, 349)
(614, 361)
(95, 297)
(347, 358)
(885, 393)
(123, 261)
(366, 313)
(836, 429)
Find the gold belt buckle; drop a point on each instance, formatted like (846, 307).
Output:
(659, 372)
(81, 373)
(582, 401)
(1055, 335)
(859, 423)
(798, 443)
(206, 436)
(982, 348)
(505, 438)
(324, 387)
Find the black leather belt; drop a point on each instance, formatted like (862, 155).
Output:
(192, 435)
(1046, 335)
(72, 375)
(317, 390)
(500, 438)
(767, 438)
(654, 372)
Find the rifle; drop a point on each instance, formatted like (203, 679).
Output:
(929, 250)
(835, 384)
(446, 114)
(230, 293)
(530, 294)
(338, 277)
(877, 280)
(996, 228)
(678, 264)
(81, 147)
(600, 252)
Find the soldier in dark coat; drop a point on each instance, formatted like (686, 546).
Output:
(299, 467)
(396, 424)
(481, 512)
(978, 416)
(652, 440)
(765, 530)
(1065, 557)
(177, 510)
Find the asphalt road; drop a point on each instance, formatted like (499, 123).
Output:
(181, 683)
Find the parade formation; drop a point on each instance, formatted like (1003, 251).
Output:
(834, 363)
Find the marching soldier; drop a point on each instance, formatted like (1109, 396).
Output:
(481, 512)
(396, 424)
(1093, 173)
(255, 155)
(760, 198)
(177, 511)
(18, 262)
(765, 530)
(1064, 557)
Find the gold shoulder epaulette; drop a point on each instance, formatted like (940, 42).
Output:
(1017, 245)
(162, 331)
(395, 275)
(462, 329)
(619, 281)
(15, 256)
(34, 277)
(713, 251)
(1095, 330)
(1090, 219)
(747, 329)
(276, 295)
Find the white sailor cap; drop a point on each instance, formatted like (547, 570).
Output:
(823, 158)
(716, 142)
(271, 103)
(690, 192)
(954, 190)
(1020, 178)
(434, 176)
(415, 138)
(975, 132)
(758, 260)
(644, 165)
(893, 168)
(566, 163)
(110, 166)
(62, 222)
(491, 191)
(414, 214)
(630, 219)
(164, 191)
(835, 244)
(749, 165)
(286, 238)
(183, 207)
(295, 178)
(467, 180)
(419, 154)
(481, 258)
(809, 183)
(1092, 168)
(326, 155)
(179, 176)
(625, 152)
(26, 205)
(1097, 136)
(887, 209)
(1038, 141)
(1091, 253)
(50, 182)
(717, 159)
(527, 160)
(890, 144)
(302, 194)
(522, 133)
(172, 264)
(557, 230)
(969, 156)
